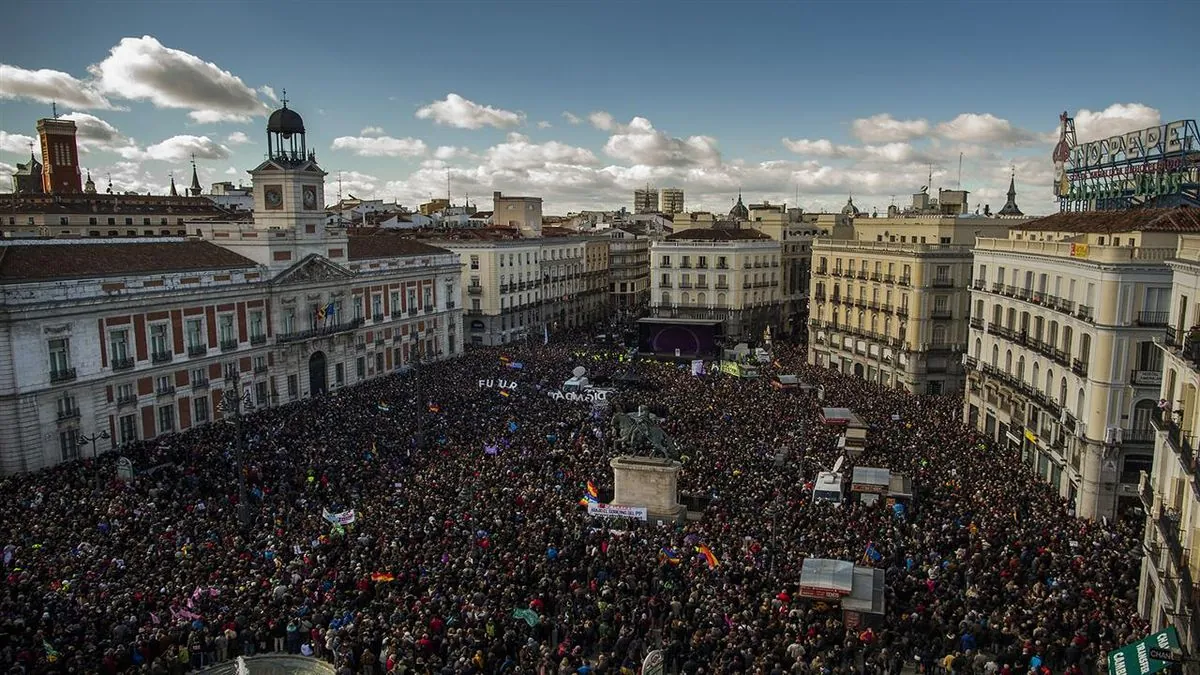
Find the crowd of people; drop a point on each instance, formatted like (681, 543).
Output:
(469, 550)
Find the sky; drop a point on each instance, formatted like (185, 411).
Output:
(581, 102)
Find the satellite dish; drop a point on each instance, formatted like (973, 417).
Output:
(579, 371)
(838, 464)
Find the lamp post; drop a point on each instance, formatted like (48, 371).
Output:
(232, 401)
(84, 439)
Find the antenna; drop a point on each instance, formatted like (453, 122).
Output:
(930, 178)
(447, 186)
(960, 157)
(54, 109)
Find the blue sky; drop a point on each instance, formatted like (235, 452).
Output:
(772, 98)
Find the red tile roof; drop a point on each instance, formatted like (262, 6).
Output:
(78, 260)
(364, 247)
(1178, 219)
(706, 234)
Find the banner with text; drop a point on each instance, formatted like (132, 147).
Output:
(616, 511)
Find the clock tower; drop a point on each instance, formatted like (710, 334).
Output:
(289, 187)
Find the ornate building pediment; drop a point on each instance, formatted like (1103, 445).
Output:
(313, 268)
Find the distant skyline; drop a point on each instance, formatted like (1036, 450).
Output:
(581, 103)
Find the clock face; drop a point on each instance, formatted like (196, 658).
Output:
(273, 195)
(310, 197)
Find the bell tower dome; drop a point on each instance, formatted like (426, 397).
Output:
(289, 187)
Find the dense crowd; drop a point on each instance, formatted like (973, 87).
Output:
(470, 552)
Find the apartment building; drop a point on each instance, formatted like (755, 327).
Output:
(671, 200)
(890, 298)
(795, 239)
(1169, 490)
(728, 274)
(1063, 362)
(645, 200)
(629, 267)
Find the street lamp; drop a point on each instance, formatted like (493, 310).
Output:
(232, 401)
(84, 439)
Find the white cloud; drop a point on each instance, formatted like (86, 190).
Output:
(602, 121)
(183, 147)
(640, 143)
(984, 128)
(446, 152)
(1118, 118)
(572, 118)
(237, 138)
(144, 69)
(17, 143)
(380, 146)
(351, 183)
(231, 171)
(94, 133)
(518, 153)
(544, 125)
(49, 86)
(822, 147)
(456, 111)
(883, 128)
(371, 131)
(269, 92)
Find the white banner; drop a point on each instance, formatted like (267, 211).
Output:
(586, 396)
(498, 384)
(343, 518)
(616, 511)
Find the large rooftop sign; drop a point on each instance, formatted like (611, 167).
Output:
(1156, 166)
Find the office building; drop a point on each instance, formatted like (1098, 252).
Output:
(645, 200)
(670, 201)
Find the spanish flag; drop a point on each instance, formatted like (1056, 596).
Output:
(708, 556)
(383, 577)
(504, 393)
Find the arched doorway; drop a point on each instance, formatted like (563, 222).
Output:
(316, 374)
(858, 370)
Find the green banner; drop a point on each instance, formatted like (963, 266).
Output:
(1134, 658)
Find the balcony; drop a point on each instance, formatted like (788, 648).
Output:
(1084, 312)
(123, 401)
(165, 391)
(685, 265)
(377, 317)
(197, 350)
(200, 383)
(70, 413)
(1168, 527)
(260, 369)
(722, 286)
(978, 284)
(475, 289)
(1023, 293)
(319, 332)
(450, 304)
(902, 312)
(1079, 367)
(905, 281)
(665, 284)
(941, 313)
(62, 375)
(229, 345)
(1065, 306)
(258, 340)
(1137, 436)
(997, 287)
(685, 284)
(1152, 319)
(942, 282)
(161, 357)
(970, 362)
(360, 346)
(977, 322)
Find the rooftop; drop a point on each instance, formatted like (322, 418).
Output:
(1178, 219)
(84, 204)
(365, 247)
(707, 234)
(84, 259)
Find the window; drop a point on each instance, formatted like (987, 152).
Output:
(60, 357)
(378, 362)
(200, 409)
(261, 396)
(395, 300)
(68, 442)
(118, 344)
(162, 384)
(360, 367)
(199, 377)
(666, 279)
(474, 262)
(194, 334)
(166, 418)
(256, 324)
(225, 331)
(260, 364)
(125, 393)
(666, 261)
(66, 406)
(127, 428)
(702, 262)
(293, 387)
(158, 339)
(339, 374)
(377, 305)
(411, 296)
(289, 320)
(427, 295)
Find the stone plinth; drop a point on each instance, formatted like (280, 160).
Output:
(649, 482)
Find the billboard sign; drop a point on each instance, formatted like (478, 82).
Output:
(1136, 658)
(1155, 166)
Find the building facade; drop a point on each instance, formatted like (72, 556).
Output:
(890, 299)
(795, 239)
(1169, 491)
(671, 201)
(138, 338)
(523, 213)
(1063, 362)
(645, 200)
(728, 274)
(629, 268)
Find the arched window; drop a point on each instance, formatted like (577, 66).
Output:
(685, 298)
(1049, 381)
(1062, 391)
(979, 308)
(1079, 404)
(978, 347)
(997, 313)
(1008, 361)
(666, 298)
(1037, 369)
(1021, 368)
(721, 300)
(702, 299)
(995, 356)
(939, 335)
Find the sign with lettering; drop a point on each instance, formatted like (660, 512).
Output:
(509, 385)
(616, 511)
(585, 396)
(1136, 659)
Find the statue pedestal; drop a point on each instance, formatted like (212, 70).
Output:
(651, 483)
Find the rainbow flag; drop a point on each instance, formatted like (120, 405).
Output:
(584, 501)
(708, 556)
(383, 577)
(670, 555)
(591, 490)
